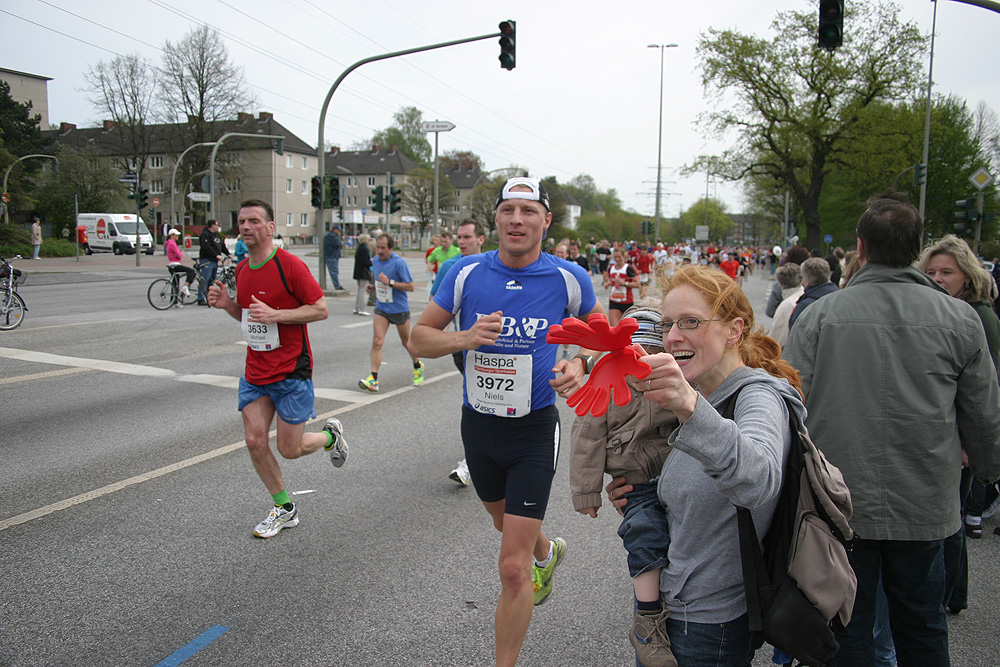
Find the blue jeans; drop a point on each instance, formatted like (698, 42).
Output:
(913, 580)
(208, 271)
(333, 266)
(710, 644)
(885, 649)
(644, 530)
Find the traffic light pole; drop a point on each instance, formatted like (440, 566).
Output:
(321, 143)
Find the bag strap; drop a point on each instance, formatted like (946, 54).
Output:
(751, 557)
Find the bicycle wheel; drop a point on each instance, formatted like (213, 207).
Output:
(161, 294)
(11, 310)
(231, 286)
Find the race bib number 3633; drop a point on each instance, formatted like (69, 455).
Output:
(498, 384)
(259, 336)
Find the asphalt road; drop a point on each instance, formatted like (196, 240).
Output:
(128, 504)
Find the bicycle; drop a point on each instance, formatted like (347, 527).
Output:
(164, 293)
(12, 308)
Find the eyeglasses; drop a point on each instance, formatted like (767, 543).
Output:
(685, 323)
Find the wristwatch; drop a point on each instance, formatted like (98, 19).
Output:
(392, 282)
(588, 362)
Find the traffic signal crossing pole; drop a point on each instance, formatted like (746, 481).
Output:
(320, 150)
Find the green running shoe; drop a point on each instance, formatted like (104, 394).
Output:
(418, 375)
(369, 384)
(542, 576)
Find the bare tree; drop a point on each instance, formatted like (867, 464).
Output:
(200, 86)
(199, 82)
(123, 89)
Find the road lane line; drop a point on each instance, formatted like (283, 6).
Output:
(42, 376)
(194, 460)
(95, 364)
(192, 647)
(79, 324)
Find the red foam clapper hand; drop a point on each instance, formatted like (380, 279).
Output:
(594, 334)
(607, 379)
(607, 382)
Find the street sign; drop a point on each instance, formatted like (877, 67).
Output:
(156, 201)
(437, 126)
(981, 178)
(364, 210)
(828, 239)
(129, 178)
(701, 232)
(199, 196)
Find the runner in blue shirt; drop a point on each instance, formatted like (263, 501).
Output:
(392, 282)
(506, 300)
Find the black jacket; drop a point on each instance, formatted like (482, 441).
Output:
(211, 246)
(362, 262)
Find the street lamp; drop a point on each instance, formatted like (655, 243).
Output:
(659, 149)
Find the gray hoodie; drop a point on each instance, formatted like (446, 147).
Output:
(716, 464)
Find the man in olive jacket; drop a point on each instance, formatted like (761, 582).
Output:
(898, 381)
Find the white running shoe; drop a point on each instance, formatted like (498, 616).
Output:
(461, 473)
(185, 291)
(278, 518)
(338, 447)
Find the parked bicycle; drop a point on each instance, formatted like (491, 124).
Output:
(164, 293)
(12, 308)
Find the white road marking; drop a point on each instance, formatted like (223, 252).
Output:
(42, 376)
(355, 400)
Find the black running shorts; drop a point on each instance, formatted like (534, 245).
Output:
(513, 458)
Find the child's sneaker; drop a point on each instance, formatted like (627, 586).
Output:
(650, 641)
(369, 384)
(338, 446)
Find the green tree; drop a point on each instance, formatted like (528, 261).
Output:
(84, 173)
(20, 135)
(593, 226)
(796, 106)
(417, 195)
(455, 159)
(719, 224)
(407, 135)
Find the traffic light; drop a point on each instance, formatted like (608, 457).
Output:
(967, 213)
(393, 199)
(831, 24)
(919, 174)
(378, 194)
(507, 46)
(317, 192)
(334, 189)
(143, 197)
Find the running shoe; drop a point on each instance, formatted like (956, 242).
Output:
(369, 384)
(338, 446)
(418, 375)
(461, 473)
(542, 576)
(992, 509)
(650, 641)
(278, 518)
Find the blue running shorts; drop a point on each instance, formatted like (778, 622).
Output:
(293, 399)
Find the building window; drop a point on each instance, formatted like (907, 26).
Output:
(288, 185)
(288, 220)
(231, 185)
(156, 187)
(156, 162)
(304, 220)
(305, 187)
(305, 162)
(371, 181)
(288, 161)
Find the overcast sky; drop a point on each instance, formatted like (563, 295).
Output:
(583, 98)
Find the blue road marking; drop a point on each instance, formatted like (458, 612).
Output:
(195, 645)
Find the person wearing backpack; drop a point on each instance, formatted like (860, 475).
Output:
(898, 380)
(714, 349)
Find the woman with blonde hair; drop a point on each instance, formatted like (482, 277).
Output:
(715, 355)
(362, 273)
(951, 264)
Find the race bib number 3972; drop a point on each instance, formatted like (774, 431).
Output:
(498, 384)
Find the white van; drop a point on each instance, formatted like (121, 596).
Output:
(115, 232)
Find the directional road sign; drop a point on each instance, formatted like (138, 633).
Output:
(199, 196)
(437, 126)
(129, 178)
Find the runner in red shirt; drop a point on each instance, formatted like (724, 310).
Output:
(276, 296)
(730, 266)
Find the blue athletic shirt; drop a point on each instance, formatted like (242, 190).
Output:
(395, 269)
(531, 299)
